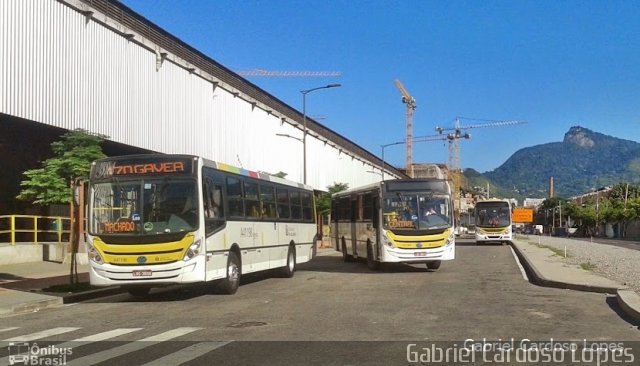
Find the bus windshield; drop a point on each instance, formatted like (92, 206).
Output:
(423, 211)
(144, 207)
(493, 214)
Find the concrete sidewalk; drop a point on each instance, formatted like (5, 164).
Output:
(22, 285)
(545, 268)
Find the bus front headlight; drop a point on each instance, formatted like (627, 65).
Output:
(386, 240)
(93, 254)
(194, 250)
(450, 240)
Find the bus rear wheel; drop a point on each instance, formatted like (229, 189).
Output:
(345, 256)
(433, 265)
(288, 270)
(230, 284)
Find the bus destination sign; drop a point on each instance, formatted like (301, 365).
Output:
(130, 167)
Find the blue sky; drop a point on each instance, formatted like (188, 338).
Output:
(553, 64)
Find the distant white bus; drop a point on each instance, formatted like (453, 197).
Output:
(493, 221)
(395, 221)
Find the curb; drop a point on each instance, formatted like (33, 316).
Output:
(92, 294)
(628, 300)
(56, 299)
(539, 279)
(30, 307)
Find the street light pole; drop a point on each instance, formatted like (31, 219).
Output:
(385, 146)
(416, 139)
(304, 123)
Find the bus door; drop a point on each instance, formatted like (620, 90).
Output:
(375, 214)
(353, 224)
(266, 228)
(285, 229)
(214, 223)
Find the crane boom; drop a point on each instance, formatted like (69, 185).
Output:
(410, 102)
(454, 135)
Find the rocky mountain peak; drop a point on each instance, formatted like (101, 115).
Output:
(579, 136)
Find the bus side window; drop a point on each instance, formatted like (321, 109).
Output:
(267, 202)
(307, 206)
(284, 211)
(234, 192)
(296, 209)
(251, 202)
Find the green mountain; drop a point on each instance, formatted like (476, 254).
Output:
(584, 160)
(476, 183)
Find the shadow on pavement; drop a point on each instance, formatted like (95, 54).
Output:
(335, 264)
(184, 291)
(613, 304)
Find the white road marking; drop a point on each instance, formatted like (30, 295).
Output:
(131, 347)
(524, 274)
(97, 337)
(39, 335)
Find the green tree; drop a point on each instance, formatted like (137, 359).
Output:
(279, 174)
(620, 206)
(323, 203)
(57, 180)
(583, 215)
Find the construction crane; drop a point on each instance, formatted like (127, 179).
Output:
(454, 135)
(276, 73)
(411, 106)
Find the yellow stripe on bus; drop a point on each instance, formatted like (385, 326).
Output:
(425, 241)
(154, 253)
(498, 230)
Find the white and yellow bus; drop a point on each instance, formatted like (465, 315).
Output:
(169, 219)
(493, 221)
(395, 221)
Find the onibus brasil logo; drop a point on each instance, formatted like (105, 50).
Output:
(25, 353)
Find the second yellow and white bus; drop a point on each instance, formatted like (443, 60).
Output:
(170, 219)
(395, 221)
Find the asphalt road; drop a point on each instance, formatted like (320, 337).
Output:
(480, 295)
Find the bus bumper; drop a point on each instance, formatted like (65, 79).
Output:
(492, 237)
(172, 273)
(398, 255)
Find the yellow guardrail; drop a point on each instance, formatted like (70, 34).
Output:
(31, 228)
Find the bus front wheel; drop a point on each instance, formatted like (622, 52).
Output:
(433, 265)
(230, 284)
(372, 263)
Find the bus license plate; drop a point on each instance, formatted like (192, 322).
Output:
(142, 273)
(419, 254)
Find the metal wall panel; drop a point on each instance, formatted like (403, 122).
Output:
(61, 68)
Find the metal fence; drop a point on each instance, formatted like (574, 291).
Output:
(34, 229)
